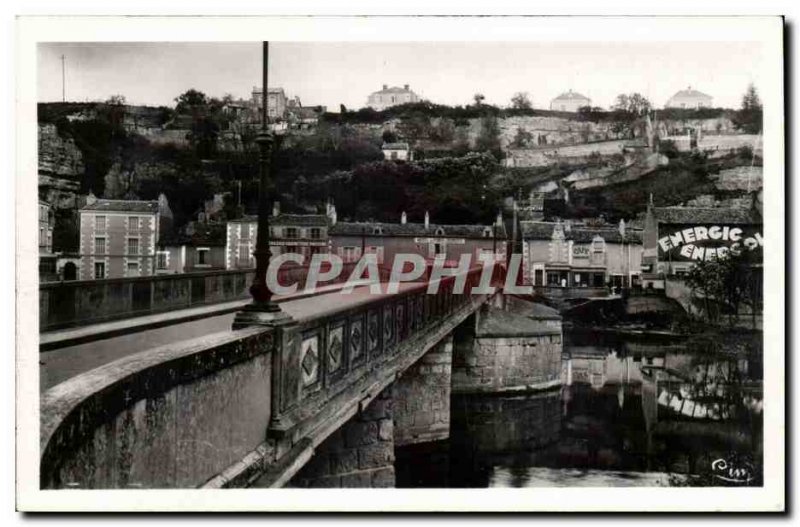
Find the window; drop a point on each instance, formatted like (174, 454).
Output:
(162, 260)
(41, 236)
(349, 254)
(377, 230)
(393, 154)
(100, 245)
(99, 223)
(99, 270)
(132, 269)
(290, 232)
(203, 256)
(487, 232)
(245, 256)
(133, 223)
(315, 233)
(439, 232)
(133, 246)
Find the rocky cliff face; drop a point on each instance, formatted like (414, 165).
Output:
(60, 168)
(58, 157)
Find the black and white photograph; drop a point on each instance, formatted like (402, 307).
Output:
(524, 253)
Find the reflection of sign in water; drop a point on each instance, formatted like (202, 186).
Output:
(732, 471)
(706, 242)
(580, 251)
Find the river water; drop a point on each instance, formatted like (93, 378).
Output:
(641, 411)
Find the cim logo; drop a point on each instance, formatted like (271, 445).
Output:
(727, 470)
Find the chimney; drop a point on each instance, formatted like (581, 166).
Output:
(427, 220)
(405, 86)
(403, 218)
(276, 208)
(330, 211)
(499, 220)
(91, 198)
(622, 228)
(385, 86)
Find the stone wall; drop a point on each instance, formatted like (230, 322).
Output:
(359, 454)
(77, 303)
(172, 416)
(422, 397)
(509, 352)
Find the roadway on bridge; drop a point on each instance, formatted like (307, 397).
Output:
(59, 365)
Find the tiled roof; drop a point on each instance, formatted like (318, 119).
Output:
(707, 215)
(691, 93)
(302, 220)
(122, 205)
(413, 229)
(543, 230)
(571, 96)
(393, 89)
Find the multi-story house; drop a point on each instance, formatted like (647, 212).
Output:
(570, 102)
(47, 260)
(388, 97)
(276, 102)
(118, 238)
(563, 254)
(351, 240)
(304, 234)
(690, 98)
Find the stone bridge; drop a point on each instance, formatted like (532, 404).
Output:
(318, 398)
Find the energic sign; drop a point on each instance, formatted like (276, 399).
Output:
(706, 242)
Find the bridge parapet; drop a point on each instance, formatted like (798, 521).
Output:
(240, 407)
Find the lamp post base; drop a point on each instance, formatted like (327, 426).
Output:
(260, 314)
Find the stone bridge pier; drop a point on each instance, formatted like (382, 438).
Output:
(413, 409)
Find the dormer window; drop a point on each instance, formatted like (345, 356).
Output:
(377, 230)
(439, 231)
(487, 232)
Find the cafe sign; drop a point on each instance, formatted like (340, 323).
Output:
(580, 251)
(707, 242)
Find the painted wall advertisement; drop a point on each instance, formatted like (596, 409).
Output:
(706, 242)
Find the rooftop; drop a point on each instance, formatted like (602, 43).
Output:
(395, 146)
(706, 215)
(543, 230)
(571, 96)
(303, 220)
(393, 89)
(202, 234)
(122, 205)
(415, 229)
(689, 92)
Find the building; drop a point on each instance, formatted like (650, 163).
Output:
(47, 260)
(276, 102)
(567, 254)
(118, 238)
(397, 152)
(388, 97)
(675, 238)
(305, 234)
(569, 102)
(352, 239)
(200, 247)
(690, 98)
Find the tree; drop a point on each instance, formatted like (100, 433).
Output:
(521, 101)
(489, 137)
(522, 138)
(750, 117)
(389, 136)
(190, 101)
(727, 283)
(116, 100)
(634, 103)
(443, 131)
(478, 98)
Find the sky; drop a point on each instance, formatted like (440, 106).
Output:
(334, 73)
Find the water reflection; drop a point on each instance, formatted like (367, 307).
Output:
(628, 413)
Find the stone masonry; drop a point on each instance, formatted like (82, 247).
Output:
(359, 454)
(422, 397)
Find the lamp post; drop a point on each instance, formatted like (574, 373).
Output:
(262, 309)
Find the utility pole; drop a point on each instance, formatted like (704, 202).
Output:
(63, 80)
